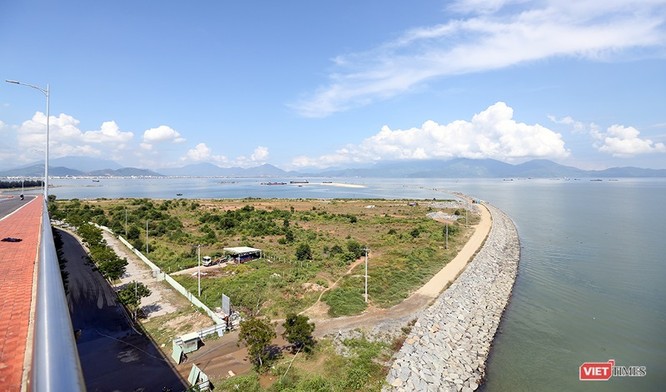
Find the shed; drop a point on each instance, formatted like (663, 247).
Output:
(241, 254)
(183, 345)
(190, 342)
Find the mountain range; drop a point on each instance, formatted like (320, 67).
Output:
(453, 168)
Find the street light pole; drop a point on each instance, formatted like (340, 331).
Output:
(47, 93)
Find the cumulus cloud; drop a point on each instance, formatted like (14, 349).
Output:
(108, 133)
(66, 138)
(491, 35)
(260, 154)
(202, 153)
(162, 134)
(492, 133)
(621, 141)
(618, 140)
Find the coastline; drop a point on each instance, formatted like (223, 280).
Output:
(449, 343)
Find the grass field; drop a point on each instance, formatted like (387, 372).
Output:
(406, 247)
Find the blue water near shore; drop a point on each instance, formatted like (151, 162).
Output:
(592, 277)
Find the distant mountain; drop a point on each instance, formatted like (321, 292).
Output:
(210, 170)
(84, 164)
(124, 172)
(37, 170)
(58, 171)
(481, 168)
(545, 168)
(629, 172)
(453, 168)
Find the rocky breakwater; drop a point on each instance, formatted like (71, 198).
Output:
(448, 345)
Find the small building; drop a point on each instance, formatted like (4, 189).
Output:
(190, 342)
(241, 254)
(184, 345)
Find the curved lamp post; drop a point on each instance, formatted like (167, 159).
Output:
(44, 91)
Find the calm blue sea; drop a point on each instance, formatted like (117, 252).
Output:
(592, 275)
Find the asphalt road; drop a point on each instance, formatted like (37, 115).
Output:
(11, 204)
(113, 356)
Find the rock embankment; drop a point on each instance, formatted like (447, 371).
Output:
(448, 345)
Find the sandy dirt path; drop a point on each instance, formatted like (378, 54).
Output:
(157, 303)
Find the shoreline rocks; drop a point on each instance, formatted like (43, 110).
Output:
(447, 347)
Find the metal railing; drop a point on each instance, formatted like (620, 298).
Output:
(55, 359)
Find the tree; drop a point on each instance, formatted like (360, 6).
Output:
(303, 252)
(298, 331)
(257, 335)
(131, 295)
(355, 248)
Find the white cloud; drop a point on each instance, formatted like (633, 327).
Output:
(65, 138)
(617, 140)
(492, 133)
(492, 37)
(576, 126)
(260, 154)
(161, 134)
(621, 141)
(108, 133)
(202, 153)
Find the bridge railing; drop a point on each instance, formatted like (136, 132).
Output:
(55, 359)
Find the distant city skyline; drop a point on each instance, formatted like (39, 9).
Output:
(318, 84)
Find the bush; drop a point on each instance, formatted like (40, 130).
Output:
(303, 252)
(344, 301)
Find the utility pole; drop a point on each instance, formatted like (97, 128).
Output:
(446, 246)
(136, 295)
(199, 269)
(366, 274)
(125, 222)
(146, 238)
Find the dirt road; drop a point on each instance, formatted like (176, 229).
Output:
(157, 303)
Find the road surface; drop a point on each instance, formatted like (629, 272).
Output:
(11, 204)
(113, 356)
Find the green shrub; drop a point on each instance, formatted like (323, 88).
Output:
(344, 301)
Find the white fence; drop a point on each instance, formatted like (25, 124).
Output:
(161, 275)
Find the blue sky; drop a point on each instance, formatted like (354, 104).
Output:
(302, 84)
